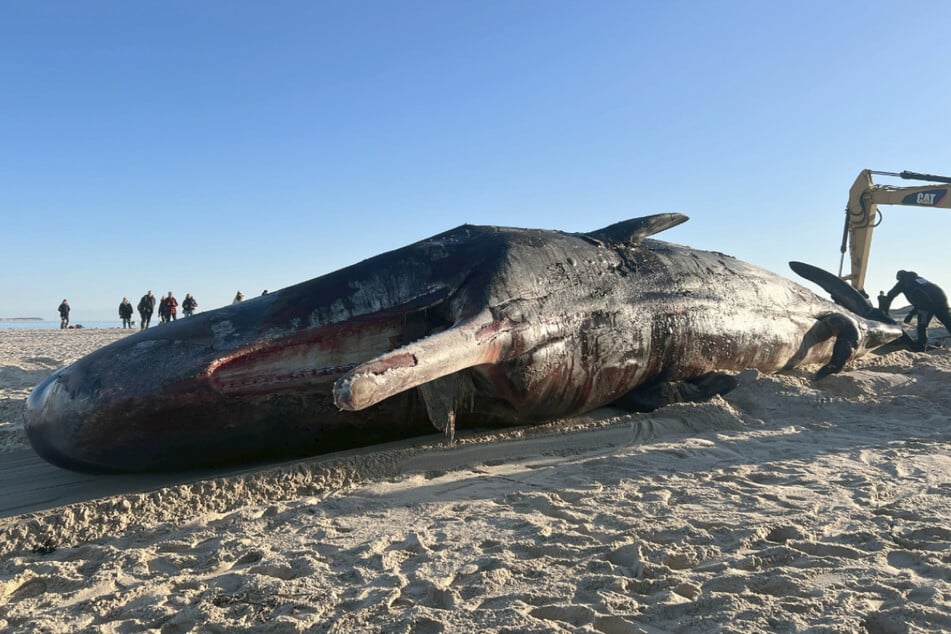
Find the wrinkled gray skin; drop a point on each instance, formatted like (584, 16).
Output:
(476, 326)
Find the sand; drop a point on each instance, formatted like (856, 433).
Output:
(788, 505)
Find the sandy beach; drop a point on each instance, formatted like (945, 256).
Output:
(788, 505)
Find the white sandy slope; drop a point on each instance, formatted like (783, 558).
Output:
(789, 505)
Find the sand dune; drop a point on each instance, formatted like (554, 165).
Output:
(788, 505)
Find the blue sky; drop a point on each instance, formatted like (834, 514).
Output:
(207, 147)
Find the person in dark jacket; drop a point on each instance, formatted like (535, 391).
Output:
(927, 299)
(163, 309)
(146, 308)
(189, 304)
(171, 307)
(63, 314)
(125, 312)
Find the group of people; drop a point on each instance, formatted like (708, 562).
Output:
(167, 309)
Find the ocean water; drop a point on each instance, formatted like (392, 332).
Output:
(52, 325)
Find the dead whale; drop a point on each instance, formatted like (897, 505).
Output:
(476, 326)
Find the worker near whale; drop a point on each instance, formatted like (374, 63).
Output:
(928, 301)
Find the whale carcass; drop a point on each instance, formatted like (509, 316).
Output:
(476, 326)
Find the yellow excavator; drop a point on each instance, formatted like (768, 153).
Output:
(862, 214)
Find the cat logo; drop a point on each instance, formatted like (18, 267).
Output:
(928, 198)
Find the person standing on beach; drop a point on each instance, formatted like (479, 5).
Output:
(63, 314)
(163, 309)
(146, 308)
(125, 312)
(171, 307)
(189, 304)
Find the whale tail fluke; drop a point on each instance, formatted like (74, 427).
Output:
(841, 292)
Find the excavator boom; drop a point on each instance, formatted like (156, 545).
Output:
(862, 215)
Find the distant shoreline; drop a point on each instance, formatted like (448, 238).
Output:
(21, 319)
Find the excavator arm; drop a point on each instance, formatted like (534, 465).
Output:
(862, 215)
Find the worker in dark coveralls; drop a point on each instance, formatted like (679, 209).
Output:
(928, 301)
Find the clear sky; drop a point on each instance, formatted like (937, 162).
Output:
(209, 147)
